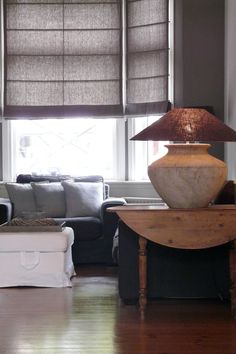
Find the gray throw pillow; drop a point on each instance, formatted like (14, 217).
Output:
(83, 198)
(50, 199)
(22, 198)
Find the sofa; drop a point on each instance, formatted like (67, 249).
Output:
(81, 202)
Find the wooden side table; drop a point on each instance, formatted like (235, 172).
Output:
(180, 228)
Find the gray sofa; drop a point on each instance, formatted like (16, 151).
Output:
(93, 226)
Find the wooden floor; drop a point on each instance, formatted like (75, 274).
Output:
(89, 319)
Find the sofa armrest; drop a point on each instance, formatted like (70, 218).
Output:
(110, 220)
(110, 224)
(5, 210)
(110, 202)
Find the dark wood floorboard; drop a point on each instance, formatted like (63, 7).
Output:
(90, 319)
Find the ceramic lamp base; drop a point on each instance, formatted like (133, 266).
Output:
(187, 176)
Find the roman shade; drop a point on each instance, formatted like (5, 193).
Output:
(147, 57)
(64, 58)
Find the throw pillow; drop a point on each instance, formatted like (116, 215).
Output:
(83, 198)
(50, 199)
(94, 178)
(22, 198)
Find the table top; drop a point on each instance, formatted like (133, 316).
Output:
(164, 207)
(181, 228)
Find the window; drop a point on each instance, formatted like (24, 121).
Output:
(81, 147)
(142, 153)
(65, 146)
(96, 145)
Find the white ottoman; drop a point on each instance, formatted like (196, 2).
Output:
(41, 259)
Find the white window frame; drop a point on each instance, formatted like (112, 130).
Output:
(7, 151)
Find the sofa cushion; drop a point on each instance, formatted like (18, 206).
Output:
(27, 178)
(22, 198)
(85, 228)
(50, 199)
(83, 198)
(94, 178)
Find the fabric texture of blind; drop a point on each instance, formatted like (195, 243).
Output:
(147, 56)
(63, 58)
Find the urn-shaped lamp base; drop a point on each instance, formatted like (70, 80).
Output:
(187, 176)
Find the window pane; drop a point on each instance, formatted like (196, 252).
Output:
(143, 153)
(156, 149)
(68, 146)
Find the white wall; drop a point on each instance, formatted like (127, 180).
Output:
(230, 81)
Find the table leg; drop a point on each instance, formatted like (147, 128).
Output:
(142, 275)
(233, 277)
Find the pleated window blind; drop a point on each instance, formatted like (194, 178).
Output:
(147, 56)
(63, 58)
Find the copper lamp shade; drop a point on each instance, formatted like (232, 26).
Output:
(187, 176)
(187, 124)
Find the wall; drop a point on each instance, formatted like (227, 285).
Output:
(230, 82)
(1, 173)
(1, 103)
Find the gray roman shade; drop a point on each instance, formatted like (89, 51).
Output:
(63, 58)
(147, 56)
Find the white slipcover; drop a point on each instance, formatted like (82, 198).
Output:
(42, 259)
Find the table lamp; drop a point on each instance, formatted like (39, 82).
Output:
(187, 176)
